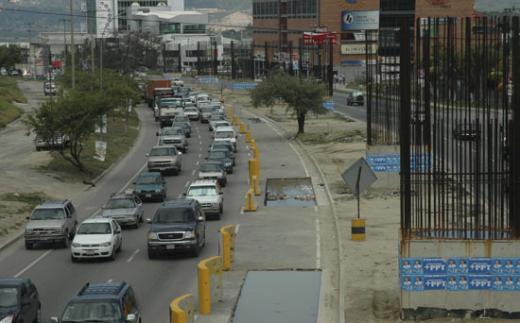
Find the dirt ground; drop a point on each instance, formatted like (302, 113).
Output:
(19, 166)
(371, 267)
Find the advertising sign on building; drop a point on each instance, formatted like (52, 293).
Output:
(105, 18)
(358, 49)
(359, 20)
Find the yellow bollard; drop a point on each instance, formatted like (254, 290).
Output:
(251, 165)
(358, 229)
(182, 309)
(256, 186)
(236, 120)
(248, 137)
(250, 202)
(257, 167)
(228, 241)
(242, 128)
(206, 268)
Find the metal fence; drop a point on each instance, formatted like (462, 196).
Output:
(453, 109)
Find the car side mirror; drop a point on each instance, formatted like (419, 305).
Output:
(54, 319)
(148, 220)
(130, 318)
(147, 155)
(200, 218)
(179, 153)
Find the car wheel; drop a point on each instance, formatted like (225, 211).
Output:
(28, 245)
(38, 148)
(141, 219)
(65, 242)
(38, 317)
(196, 250)
(152, 254)
(112, 255)
(120, 247)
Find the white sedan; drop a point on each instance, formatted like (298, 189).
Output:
(96, 238)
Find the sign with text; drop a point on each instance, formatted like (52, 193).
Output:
(359, 20)
(358, 49)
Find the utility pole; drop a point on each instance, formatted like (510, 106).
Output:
(72, 49)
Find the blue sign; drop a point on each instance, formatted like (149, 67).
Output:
(479, 282)
(391, 163)
(457, 283)
(359, 20)
(243, 86)
(457, 266)
(352, 1)
(434, 266)
(434, 282)
(329, 105)
(412, 283)
(410, 266)
(208, 80)
(480, 266)
(353, 62)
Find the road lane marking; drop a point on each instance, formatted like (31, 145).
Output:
(187, 183)
(197, 162)
(110, 280)
(132, 179)
(200, 142)
(179, 196)
(318, 239)
(133, 255)
(236, 228)
(200, 155)
(35, 261)
(193, 173)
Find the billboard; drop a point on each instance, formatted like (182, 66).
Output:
(105, 18)
(359, 20)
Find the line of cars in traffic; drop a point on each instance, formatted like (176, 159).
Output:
(176, 225)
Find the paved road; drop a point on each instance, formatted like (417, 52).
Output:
(156, 282)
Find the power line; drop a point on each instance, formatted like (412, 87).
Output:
(130, 19)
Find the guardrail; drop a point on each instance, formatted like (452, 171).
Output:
(182, 309)
(208, 270)
(228, 233)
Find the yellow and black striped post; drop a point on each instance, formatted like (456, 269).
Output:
(358, 229)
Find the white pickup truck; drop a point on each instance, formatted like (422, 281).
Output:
(168, 109)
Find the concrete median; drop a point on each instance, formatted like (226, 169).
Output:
(210, 282)
(182, 309)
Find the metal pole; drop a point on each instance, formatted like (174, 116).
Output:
(266, 59)
(198, 58)
(215, 58)
(358, 193)
(72, 56)
(233, 71)
(179, 58)
(514, 199)
(405, 94)
(331, 67)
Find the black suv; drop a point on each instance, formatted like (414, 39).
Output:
(178, 225)
(19, 301)
(103, 302)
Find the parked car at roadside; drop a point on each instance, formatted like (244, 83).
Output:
(19, 301)
(51, 222)
(59, 141)
(97, 238)
(355, 98)
(49, 88)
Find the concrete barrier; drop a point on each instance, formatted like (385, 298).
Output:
(228, 233)
(182, 309)
(209, 269)
(250, 201)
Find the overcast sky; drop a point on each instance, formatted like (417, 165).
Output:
(495, 5)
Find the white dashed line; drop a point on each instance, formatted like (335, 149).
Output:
(110, 280)
(193, 172)
(187, 184)
(33, 263)
(200, 155)
(133, 255)
(236, 228)
(197, 162)
(179, 196)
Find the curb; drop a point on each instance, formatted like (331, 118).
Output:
(11, 241)
(339, 238)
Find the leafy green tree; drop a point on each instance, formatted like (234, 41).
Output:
(301, 95)
(10, 55)
(75, 112)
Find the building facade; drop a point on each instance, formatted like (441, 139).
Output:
(279, 24)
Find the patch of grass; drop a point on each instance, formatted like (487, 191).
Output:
(31, 199)
(9, 91)
(118, 141)
(8, 113)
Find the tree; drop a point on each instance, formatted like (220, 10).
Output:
(10, 55)
(76, 112)
(302, 95)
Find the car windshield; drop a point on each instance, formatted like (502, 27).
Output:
(222, 124)
(180, 119)
(206, 109)
(8, 296)
(224, 134)
(171, 131)
(210, 168)
(202, 191)
(190, 110)
(92, 311)
(48, 214)
(146, 180)
(220, 146)
(94, 228)
(120, 204)
(217, 155)
(173, 215)
(180, 124)
(161, 151)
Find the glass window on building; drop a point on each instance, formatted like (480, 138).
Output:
(194, 29)
(169, 28)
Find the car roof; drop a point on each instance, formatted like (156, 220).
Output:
(226, 129)
(212, 162)
(13, 282)
(97, 220)
(52, 204)
(163, 146)
(177, 203)
(150, 174)
(121, 196)
(113, 290)
(204, 182)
